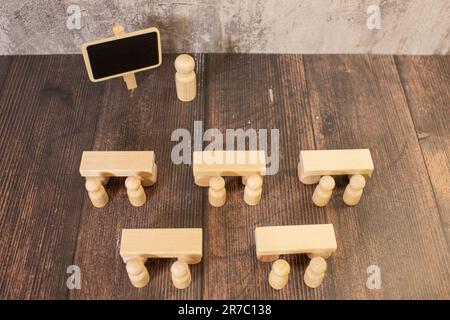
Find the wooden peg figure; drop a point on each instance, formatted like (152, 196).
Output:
(315, 272)
(217, 194)
(323, 191)
(137, 272)
(354, 190)
(279, 275)
(181, 275)
(97, 192)
(135, 191)
(253, 190)
(185, 78)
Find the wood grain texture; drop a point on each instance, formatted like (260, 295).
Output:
(358, 102)
(426, 84)
(259, 91)
(50, 113)
(5, 63)
(142, 122)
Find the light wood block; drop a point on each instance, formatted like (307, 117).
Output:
(118, 164)
(183, 244)
(227, 163)
(318, 239)
(316, 163)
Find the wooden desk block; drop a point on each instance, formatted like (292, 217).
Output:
(316, 240)
(117, 163)
(184, 244)
(316, 163)
(242, 163)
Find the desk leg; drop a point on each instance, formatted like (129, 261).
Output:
(148, 181)
(137, 272)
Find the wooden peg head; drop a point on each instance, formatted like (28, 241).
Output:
(327, 183)
(357, 182)
(134, 267)
(318, 265)
(281, 267)
(132, 183)
(217, 183)
(93, 184)
(179, 268)
(184, 63)
(254, 182)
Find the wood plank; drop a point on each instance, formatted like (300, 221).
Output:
(143, 121)
(48, 115)
(116, 163)
(161, 243)
(316, 163)
(277, 240)
(426, 81)
(358, 102)
(259, 92)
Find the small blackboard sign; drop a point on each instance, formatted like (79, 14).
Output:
(119, 55)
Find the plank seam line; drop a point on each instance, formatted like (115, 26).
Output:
(308, 103)
(205, 100)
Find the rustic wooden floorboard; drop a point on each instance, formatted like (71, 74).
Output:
(142, 122)
(426, 83)
(358, 102)
(259, 92)
(50, 113)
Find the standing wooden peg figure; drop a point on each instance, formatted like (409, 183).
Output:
(137, 272)
(217, 194)
(181, 275)
(279, 276)
(315, 272)
(253, 190)
(185, 78)
(354, 190)
(97, 192)
(135, 191)
(323, 191)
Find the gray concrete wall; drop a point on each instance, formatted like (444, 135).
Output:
(263, 26)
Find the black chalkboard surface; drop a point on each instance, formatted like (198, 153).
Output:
(115, 56)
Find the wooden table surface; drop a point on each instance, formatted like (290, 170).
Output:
(399, 107)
